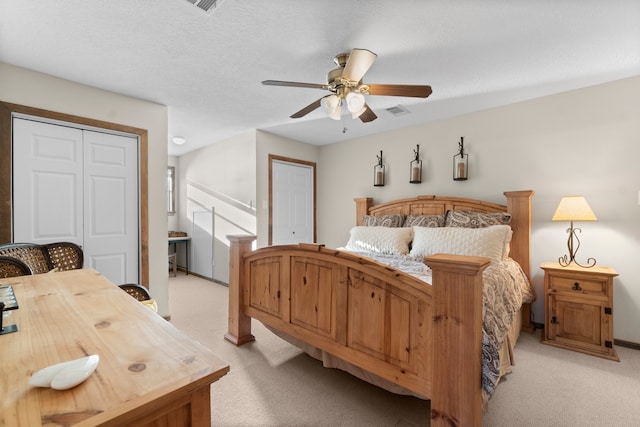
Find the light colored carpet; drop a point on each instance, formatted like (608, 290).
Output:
(272, 383)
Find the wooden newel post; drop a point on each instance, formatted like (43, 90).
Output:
(239, 324)
(457, 338)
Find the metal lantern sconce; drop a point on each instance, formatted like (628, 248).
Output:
(461, 163)
(415, 168)
(378, 172)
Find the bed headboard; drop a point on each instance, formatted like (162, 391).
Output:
(518, 205)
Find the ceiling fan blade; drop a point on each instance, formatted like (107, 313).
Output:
(359, 62)
(295, 84)
(368, 115)
(416, 91)
(309, 108)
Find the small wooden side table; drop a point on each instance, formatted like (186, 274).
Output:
(578, 309)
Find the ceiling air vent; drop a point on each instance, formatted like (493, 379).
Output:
(206, 6)
(398, 110)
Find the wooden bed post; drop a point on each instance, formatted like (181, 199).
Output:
(456, 398)
(519, 206)
(362, 208)
(239, 323)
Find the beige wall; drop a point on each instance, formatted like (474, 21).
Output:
(222, 176)
(33, 89)
(232, 176)
(581, 142)
(266, 144)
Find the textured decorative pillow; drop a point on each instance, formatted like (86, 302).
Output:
(491, 242)
(382, 240)
(424, 221)
(393, 220)
(475, 219)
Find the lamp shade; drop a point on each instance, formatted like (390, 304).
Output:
(574, 208)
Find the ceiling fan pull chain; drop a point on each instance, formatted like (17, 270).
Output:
(344, 121)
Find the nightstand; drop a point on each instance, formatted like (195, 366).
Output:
(578, 309)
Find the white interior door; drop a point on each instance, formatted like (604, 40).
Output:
(111, 205)
(292, 203)
(81, 186)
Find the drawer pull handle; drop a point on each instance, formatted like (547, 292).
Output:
(554, 320)
(576, 287)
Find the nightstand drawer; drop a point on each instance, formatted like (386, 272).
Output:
(578, 285)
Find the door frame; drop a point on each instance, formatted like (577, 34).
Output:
(6, 113)
(312, 165)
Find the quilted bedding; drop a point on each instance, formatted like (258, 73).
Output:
(505, 289)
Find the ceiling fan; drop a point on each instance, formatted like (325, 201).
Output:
(346, 87)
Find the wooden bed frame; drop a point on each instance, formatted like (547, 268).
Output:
(426, 339)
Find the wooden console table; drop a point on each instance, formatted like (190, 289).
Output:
(149, 374)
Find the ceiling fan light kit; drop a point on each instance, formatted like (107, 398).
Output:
(345, 83)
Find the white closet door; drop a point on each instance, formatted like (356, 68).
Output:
(47, 183)
(79, 186)
(292, 203)
(111, 205)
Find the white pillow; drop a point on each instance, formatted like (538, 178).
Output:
(382, 240)
(491, 242)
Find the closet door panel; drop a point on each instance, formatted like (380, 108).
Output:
(47, 182)
(111, 205)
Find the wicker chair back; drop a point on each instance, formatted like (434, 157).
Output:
(29, 253)
(44, 258)
(13, 267)
(137, 291)
(65, 255)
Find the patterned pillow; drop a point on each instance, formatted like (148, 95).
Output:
(382, 240)
(491, 242)
(475, 219)
(424, 221)
(394, 220)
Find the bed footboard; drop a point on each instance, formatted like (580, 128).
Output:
(426, 339)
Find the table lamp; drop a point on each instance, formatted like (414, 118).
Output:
(574, 208)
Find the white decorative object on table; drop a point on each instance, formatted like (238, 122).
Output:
(65, 375)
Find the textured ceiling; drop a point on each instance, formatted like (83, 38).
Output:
(208, 68)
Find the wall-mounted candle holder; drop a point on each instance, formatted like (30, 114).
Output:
(415, 167)
(378, 172)
(460, 163)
